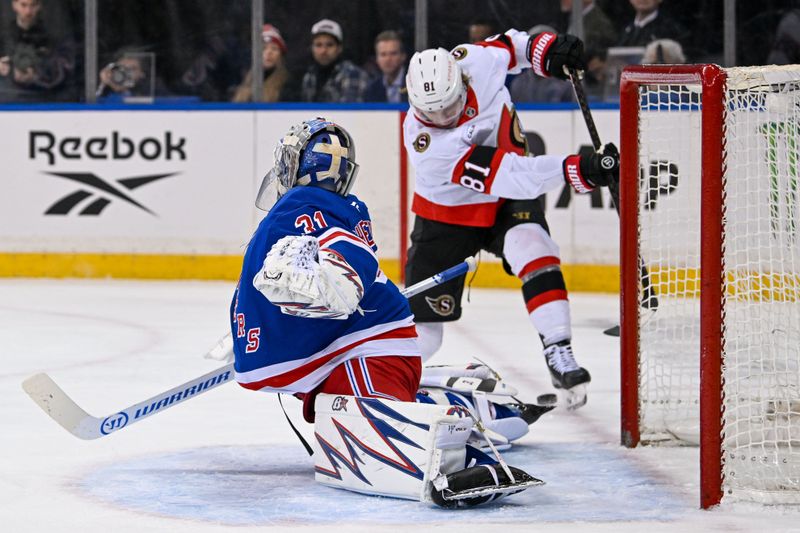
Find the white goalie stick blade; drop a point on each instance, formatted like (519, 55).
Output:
(223, 350)
(60, 407)
(466, 385)
(69, 415)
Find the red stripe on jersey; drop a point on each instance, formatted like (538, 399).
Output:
(476, 215)
(477, 168)
(470, 108)
(340, 234)
(538, 264)
(545, 298)
(287, 378)
(458, 171)
(503, 42)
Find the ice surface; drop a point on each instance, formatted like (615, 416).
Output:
(227, 460)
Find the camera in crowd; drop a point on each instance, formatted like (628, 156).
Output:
(121, 75)
(26, 57)
(131, 76)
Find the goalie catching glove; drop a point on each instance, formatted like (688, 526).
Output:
(306, 281)
(589, 169)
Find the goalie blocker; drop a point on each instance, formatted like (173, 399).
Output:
(406, 450)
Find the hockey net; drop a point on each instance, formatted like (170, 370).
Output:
(710, 179)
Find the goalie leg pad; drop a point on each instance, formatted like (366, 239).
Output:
(387, 448)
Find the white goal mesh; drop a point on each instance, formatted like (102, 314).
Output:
(760, 274)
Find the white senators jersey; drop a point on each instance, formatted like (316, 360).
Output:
(464, 173)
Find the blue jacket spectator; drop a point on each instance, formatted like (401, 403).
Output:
(390, 85)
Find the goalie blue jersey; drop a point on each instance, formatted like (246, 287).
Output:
(284, 353)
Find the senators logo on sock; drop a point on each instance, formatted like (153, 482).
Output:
(443, 305)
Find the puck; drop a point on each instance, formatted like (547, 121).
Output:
(546, 399)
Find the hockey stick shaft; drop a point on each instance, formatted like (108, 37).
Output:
(468, 265)
(649, 299)
(60, 407)
(580, 96)
(63, 409)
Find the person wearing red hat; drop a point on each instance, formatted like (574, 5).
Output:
(276, 74)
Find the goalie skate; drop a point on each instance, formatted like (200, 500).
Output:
(566, 375)
(478, 485)
(530, 412)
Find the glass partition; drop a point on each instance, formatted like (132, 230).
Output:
(330, 47)
(171, 50)
(140, 51)
(41, 48)
(767, 32)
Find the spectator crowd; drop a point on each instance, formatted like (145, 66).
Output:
(322, 62)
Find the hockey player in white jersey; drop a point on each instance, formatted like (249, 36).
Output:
(476, 188)
(313, 315)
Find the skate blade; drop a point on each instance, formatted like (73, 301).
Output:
(573, 398)
(486, 491)
(532, 412)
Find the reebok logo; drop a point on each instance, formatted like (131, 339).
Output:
(115, 147)
(539, 48)
(100, 193)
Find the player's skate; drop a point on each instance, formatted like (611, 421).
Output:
(566, 374)
(479, 484)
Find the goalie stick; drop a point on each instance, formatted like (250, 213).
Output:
(649, 298)
(60, 407)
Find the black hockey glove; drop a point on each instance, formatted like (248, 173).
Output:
(590, 169)
(600, 168)
(549, 53)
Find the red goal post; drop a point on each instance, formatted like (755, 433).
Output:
(709, 204)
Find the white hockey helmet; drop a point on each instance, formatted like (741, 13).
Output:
(435, 87)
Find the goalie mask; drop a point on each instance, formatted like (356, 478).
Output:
(435, 87)
(314, 153)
